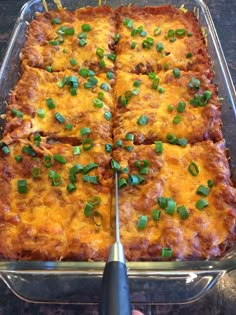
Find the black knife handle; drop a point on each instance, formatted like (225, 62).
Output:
(115, 299)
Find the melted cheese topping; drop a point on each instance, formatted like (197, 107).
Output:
(169, 177)
(49, 221)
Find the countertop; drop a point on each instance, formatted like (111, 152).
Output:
(221, 299)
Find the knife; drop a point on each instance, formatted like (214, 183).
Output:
(115, 297)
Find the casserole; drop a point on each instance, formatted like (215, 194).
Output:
(172, 273)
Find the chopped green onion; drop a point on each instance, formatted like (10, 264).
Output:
(90, 179)
(180, 32)
(82, 42)
(102, 64)
(134, 32)
(101, 96)
(125, 170)
(170, 206)
(76, 150)
(73, 62)
(112, 57)
(105, 87)
(135, 179)
(203, 190)
(89, 167)
(35, 172)
(28, 150)
(56, 21)
(171, 138)
(17, 113)
(142, 222)
(143, 33)
(82, 35)
(128, 23)
(59, 158)
(137, 83)
(133, 45)
(95, 200)
(144, 171)
(182, 142)
(108, 147)
(118, 143)
(100, 52)
(92, 81)
(159, 47)
(193, 169)
(57, 41)
(22, 186)
(141, 163)
(40, 112)
(116, 38)
(176, 73)
(47, 160)
(155, 83)
(107, 116)
(84, 72)
(129, 148)
(157, 31)
(110, 75)
(76, 169)
(166, 66)
(143, 120)
(88, 209)
(59, 118)
(173, 39)
(87, 144)
(190, 34)
(148, 42)
(181, 107)
(68, 126)
(161, 90)
(158, 146)
(170, 33)
(86, 27)
(152, 75)
(85, 131)
(166, 252)
(189, 55)
(156, 214)
(71, 187)
(122, 183)
(210, 183)
(202, 203)
(177, 119)
(115, 165)
(170, 108)
(98, 103)
(18, 158)
(50, 103)
(183, 212)
(129, 137)
(5, 150)
(194, 83)
(56, 180)
(162, 202)
(37, 139)
(97, 218)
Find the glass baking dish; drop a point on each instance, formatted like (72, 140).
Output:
(150, 282)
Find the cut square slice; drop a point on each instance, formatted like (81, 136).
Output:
(179, 201)
(157, 38)
(186, 107)
(64, 39)
(55, 201)
(60, 105)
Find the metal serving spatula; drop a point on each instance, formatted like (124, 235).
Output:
(115, 299)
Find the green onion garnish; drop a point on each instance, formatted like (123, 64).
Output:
(22, 186)
(82, 35)
(181, 107)
(171, 138)
(203, 190)
(202, 203)
(143, 120)
(76, 150)
(148, 42)
(105, 87)
(90, 179)
(56, 21)
(112, 57)
(97, 218)
(155, 83)
(170, 33)
(5, 150)
(73, 62)
(210, 183)
(97, 103)
(100, 96)
(129, 137)
(170, 108)
(35, 172)
(76, 169)
(118, 143)
(194, 83)
(100, 52)
(102, 64)
(87, 144)
(183, 212)
(59, 118)
(40, 112)
(84, 72)
(161, 90)
(59, 158)
(141, 163)
(71, 187)
(182, 142)
(82, 42)
(56, 180)
(137, 83)
(189, 55)
(128, 23)
(110, 75)
(193, 169)
(107, 116)
(159, 47)
(156, 214)
(86, 27)
(157, 31)
(177, 119)
(133, 45)
(142, 222)
(166, 252)
(47, 160)
(89, 167)
(158, 146)
(18, 158)
(28, 150)
(129, 148)
(108, 147)
(85, 131)
(176, 73)
(122, 183)
(16, 112)
(48, 69)
(95, 200)
(88, 209)
(180, 32)
(135, 179)
(115, 165)
(116, 38)
(57, 41)
(68, 126)
(50, 103)
(170, 206)
(162, 202)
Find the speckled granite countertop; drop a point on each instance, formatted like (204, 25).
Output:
(221, 299)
